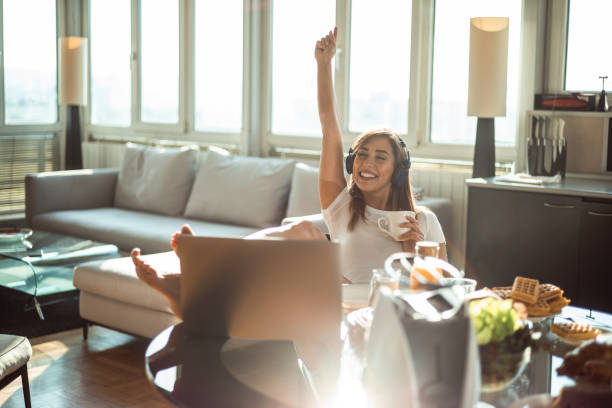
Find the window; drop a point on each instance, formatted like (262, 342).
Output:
(30, 62)
(29, 112)
(449, 121)
(110, 62)
(588, 55)
(159, 61)
(140, 51)
(401, 64)
(296, 26)
(380, 65)
(218, 65)
(20, 155)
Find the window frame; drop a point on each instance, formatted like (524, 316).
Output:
(184, 130)
(419, 106)
(256, 137)
(55, 130)
(58, 125)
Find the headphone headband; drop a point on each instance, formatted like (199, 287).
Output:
(400, 174)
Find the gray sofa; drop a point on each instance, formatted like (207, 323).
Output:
(221, 195)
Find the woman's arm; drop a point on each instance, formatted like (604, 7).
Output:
(331, 171)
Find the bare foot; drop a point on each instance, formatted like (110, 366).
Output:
(185, 229)
(145, 272)
(169, 285)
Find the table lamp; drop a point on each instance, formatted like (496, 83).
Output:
(73, 94)
(487, 86)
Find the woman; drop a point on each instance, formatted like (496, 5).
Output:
(378, 163)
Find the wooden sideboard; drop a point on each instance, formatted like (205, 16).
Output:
(560, 234)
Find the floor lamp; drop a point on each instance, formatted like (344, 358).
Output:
(487, 86)
(73, 94)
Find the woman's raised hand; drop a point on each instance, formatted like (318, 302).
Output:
(326, 47)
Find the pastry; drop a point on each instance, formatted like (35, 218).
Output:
(574, 331)
(525, 290)
(549, 291)
(539, 309)
(557, 304)
(502, 291)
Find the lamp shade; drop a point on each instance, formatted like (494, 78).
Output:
(73, 71)
(488, 66)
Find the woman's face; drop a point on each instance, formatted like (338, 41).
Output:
(374, 165)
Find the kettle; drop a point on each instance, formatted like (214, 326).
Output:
(422, 351)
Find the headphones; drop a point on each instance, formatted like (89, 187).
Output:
(400, 174)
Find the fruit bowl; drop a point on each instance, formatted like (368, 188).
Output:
(503, 362)
(503, 342)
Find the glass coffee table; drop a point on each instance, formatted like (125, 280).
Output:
(36, 291)
(191, 371)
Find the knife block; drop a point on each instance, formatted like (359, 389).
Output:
(546, 150)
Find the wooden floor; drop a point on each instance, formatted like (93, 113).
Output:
(107, 370)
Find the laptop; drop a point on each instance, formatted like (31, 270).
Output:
(263, 289)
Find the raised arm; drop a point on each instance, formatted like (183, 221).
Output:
(331, 171)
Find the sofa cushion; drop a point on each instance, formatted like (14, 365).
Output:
(240, 190)
(304, 195)
(116, 279)
(156, 179)
(128, 229)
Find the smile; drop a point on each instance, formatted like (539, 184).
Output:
(367, 175)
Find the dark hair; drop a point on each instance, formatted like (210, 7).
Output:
(401, 198)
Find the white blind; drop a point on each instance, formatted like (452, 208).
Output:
(20, 155)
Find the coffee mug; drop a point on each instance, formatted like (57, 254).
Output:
(391, 221)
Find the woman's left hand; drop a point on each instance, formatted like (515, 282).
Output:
(411, 237)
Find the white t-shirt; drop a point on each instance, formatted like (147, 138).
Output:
(367, 247)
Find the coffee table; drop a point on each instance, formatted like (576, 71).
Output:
(36, 282)
(192, 371)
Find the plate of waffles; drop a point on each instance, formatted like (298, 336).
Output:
(574, 333)
(542, 300)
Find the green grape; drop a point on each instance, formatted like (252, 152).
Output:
(493, 320)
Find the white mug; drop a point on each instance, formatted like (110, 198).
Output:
(391, 221)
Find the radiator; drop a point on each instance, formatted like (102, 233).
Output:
(98, 155)
(447, 182)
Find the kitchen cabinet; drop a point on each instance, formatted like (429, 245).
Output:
(555, 235)
(595, 273)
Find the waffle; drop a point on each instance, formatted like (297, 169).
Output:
(574, 331)
(540, 308)
(549, 291)
(525, 290)
(502, 291)
(557, 304)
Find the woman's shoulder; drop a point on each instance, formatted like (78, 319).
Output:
(427, 213)
(423, 209)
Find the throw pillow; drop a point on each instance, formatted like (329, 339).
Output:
(250, 191)
(156, 179)
(304, 196)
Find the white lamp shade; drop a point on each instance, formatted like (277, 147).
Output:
(73, 71)
(488, 66)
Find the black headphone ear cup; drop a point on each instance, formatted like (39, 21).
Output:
(400, 176)
(350, 159)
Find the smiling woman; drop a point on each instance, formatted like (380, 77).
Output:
(379, 164)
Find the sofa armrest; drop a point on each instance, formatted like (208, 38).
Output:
(316, 219)
(69, 190)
